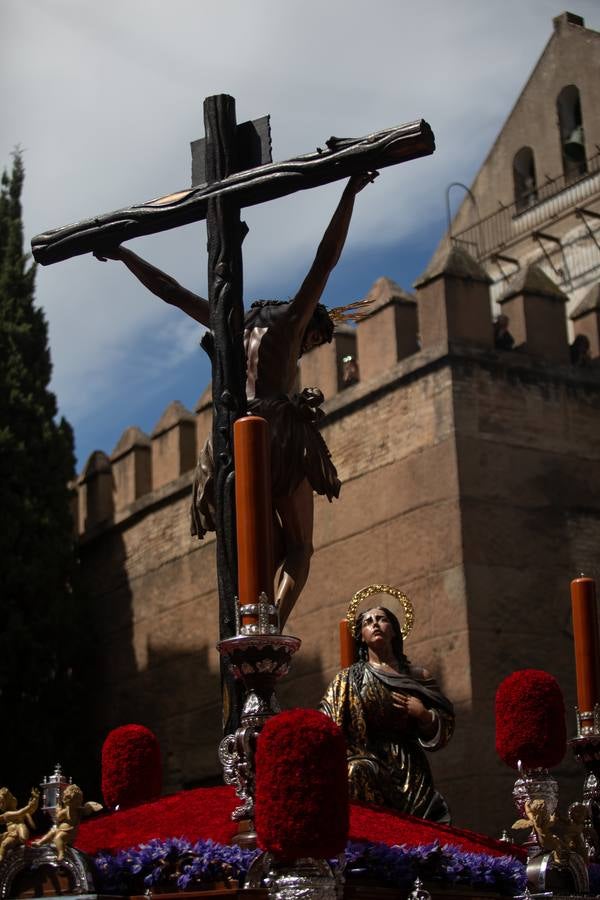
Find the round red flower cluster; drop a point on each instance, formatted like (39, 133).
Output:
(530, 720)
(301, 786)
(131, 767)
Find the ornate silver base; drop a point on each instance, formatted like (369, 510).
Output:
(561, 871)
(546, 876)
(588, 722)
(303, 879)
(586, 750)
(29, 859)
(259, 660)
(535, 784)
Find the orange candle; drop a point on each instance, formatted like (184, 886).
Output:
(254, 511)
(347, 645)
(585, 634)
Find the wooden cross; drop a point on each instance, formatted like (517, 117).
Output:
(231, 169)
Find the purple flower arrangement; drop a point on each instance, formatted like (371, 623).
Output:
(400, 865)
(174, 864)
(177, 864)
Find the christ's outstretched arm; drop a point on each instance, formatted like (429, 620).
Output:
(328, 253)
(159, 283)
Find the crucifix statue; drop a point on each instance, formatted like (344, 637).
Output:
(254, 358)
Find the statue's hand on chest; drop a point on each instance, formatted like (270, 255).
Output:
(387, 714)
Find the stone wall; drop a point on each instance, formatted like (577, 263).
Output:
(469, 481)
(528, 448)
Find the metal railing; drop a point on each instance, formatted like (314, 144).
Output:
(494, 232)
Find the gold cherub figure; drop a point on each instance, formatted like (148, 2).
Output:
(69, 813)
(557, 834)
(18, 821)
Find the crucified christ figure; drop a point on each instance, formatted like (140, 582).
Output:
(276, 334)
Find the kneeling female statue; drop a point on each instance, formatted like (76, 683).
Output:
(391, 713)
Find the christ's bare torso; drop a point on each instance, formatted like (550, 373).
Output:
(272, 353)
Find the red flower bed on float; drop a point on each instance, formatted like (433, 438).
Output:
(286, 768)
(205, 813)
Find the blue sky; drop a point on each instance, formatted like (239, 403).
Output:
(105, 98)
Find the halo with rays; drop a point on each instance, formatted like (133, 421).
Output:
(367, 592)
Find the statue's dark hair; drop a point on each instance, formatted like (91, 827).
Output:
(397, 643)
(263, 304)
(321, 322)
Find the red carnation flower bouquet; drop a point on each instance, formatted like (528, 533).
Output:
(131, 767)
(301, 799)
(530, 720)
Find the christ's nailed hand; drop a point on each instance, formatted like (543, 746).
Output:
(358, 182)
(108, 252)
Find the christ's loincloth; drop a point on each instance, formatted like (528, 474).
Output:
(297, 452)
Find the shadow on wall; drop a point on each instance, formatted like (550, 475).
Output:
(151, 625)
(186, 691)
(141, 678)
(111, 625)
(308, 684)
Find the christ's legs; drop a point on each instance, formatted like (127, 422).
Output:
(296, 516)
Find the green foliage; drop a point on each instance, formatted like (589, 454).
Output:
(40, 613)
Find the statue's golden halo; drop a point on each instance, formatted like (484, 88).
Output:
(367, 592)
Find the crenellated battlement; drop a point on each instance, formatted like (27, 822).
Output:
(401, 334)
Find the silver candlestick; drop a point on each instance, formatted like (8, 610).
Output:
(586, 749)
(258, 656)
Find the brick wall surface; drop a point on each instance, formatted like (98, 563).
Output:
(528, 447)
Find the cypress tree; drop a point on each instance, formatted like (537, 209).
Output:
(40, 614)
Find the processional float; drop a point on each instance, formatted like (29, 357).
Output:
(232, 168)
